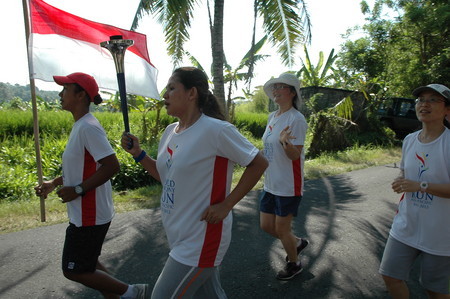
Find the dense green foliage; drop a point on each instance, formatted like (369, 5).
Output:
(18, 170)
(18, 174)
(17, 151)
(255, 123)
(403, 53)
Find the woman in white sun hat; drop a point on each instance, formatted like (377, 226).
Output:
(421, 226)
(284, 139)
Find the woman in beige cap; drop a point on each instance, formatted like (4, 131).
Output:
(421, 226)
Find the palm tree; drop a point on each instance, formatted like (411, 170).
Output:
(284, 26)
(243, 70)
(241, 73)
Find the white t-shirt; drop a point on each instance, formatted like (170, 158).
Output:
(87, 144)
(423, 220)
(284, 177)
(196, 168)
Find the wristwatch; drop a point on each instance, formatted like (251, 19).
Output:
(79, 190)
(423, 186)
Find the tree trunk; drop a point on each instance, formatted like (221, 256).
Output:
(217, 55)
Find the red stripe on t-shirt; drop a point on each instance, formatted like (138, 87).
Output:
(88, 201)
(214, 231)
(401, 198)
(297, 172)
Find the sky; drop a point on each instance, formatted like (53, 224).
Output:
(330, 19)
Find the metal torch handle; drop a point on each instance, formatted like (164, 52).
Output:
(123, 101)
(117, 46)
(124, 105)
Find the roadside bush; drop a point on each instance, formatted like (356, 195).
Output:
(17, 153)
(255, 123)
(16, 183)
(17, 168)
(132, 175)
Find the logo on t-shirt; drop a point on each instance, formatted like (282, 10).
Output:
(419, 199)
(269, 132)
(422, 167)
(170, 152)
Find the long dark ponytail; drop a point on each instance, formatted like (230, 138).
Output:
(207, 102)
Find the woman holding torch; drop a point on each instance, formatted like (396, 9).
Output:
(195, 165)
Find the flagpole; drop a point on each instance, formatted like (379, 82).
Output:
(34, 105)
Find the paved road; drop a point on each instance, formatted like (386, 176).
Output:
(346, 218)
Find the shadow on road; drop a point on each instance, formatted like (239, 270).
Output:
(255, 257)
(345, 217)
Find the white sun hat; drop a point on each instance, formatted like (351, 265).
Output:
(286, 78)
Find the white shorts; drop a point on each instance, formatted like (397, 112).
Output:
(178, 280)
(398, 259)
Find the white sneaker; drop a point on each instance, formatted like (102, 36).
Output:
(141, 291)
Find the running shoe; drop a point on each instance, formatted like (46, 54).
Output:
(291, 269)
(302, 243)
(142, 291)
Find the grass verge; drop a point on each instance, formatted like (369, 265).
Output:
(25, 214)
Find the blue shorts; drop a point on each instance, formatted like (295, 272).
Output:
(82, 247)
(279, 205)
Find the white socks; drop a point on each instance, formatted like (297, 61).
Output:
(130, 293)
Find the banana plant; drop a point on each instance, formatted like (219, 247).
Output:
(319, 75)
(243, 71)
(143, 105)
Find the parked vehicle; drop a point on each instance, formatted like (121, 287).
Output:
(399, 114)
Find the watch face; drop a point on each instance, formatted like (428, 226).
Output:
(78, 189)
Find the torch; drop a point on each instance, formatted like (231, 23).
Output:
(117, 46)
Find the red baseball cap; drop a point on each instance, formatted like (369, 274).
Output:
(87, 82)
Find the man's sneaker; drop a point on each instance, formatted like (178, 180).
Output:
(300, 246)
(142, 291)
(290, 271)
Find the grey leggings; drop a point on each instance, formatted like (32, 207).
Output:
(180, 281)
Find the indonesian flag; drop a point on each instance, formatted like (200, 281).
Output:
(61, 43)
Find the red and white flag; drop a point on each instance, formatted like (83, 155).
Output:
(61, 43)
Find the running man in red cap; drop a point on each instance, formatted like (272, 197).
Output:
(88, 163)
